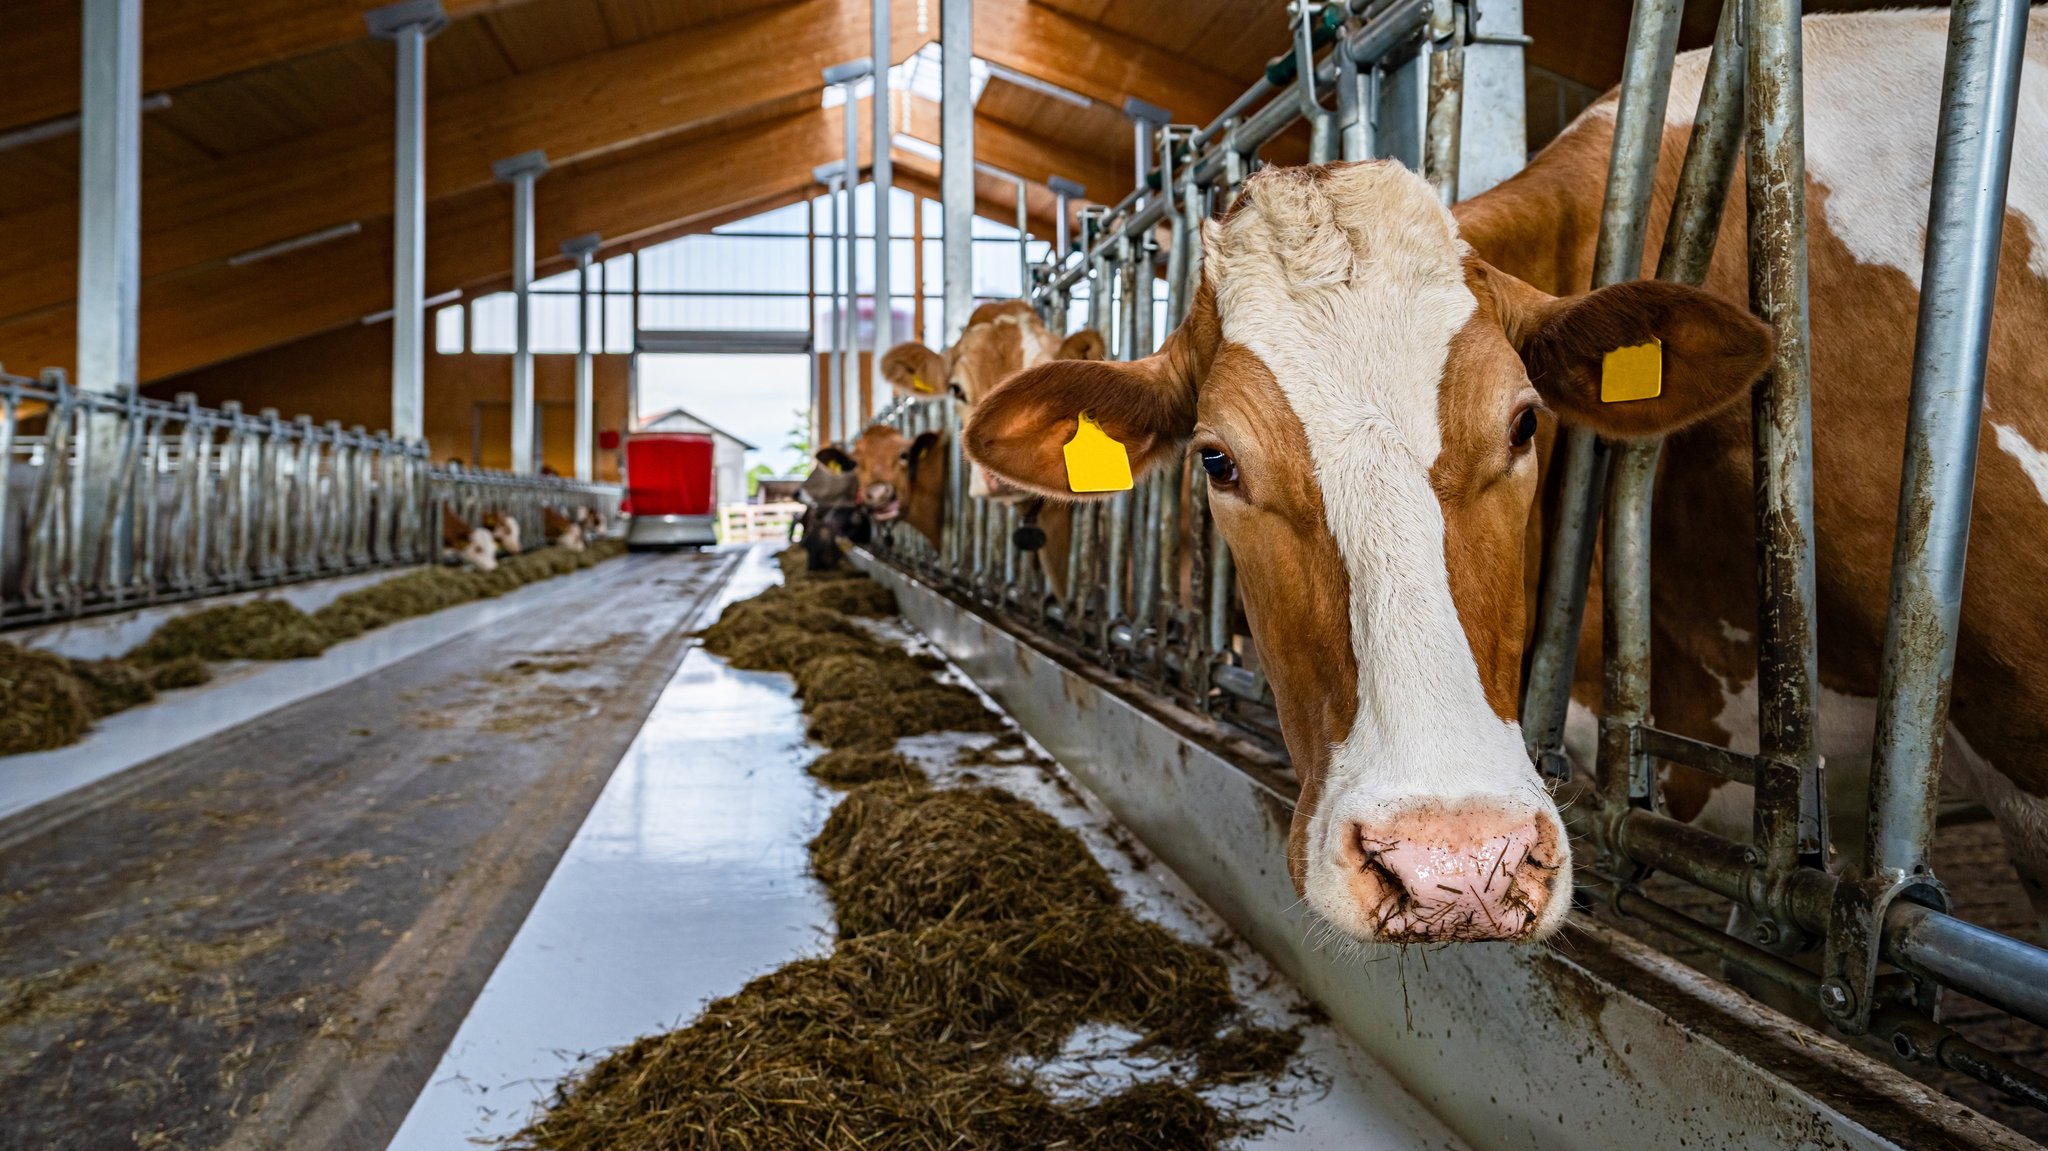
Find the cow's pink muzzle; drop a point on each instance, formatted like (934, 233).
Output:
(1433, 873)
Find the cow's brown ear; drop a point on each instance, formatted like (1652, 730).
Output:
(915, 369)
(1711, 352)
(1086, 344)
(1020, 430)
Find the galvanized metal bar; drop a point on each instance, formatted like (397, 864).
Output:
(1965, 228)
(1624, 762)
(956, 172)
(880, 134)
(408, 26)
(1618, 256)
(1445, 106)
(1782, 431)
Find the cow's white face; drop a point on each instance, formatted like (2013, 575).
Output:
(506, 530)
(481, 552)
(1358, 389)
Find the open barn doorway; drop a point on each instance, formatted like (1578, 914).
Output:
(749, 391)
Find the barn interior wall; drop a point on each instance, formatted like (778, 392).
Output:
(345, 375)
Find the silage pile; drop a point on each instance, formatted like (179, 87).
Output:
(976, 934)
(48, 701)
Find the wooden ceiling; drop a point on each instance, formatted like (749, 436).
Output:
(659, 116)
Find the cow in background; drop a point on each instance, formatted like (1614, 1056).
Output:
(1001, 339)
(561, 530)
(832, 509)
(505, 530)
(465, 544)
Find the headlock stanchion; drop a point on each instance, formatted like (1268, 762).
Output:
(203, 501)
(1148, 583)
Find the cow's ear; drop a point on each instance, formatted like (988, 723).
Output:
(835, 459)
(1021, 429)
(1086, 344)
(914, 369)
(919, 451)
(1686, 353)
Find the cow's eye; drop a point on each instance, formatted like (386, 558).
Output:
(1522, 430)
(959, 393)
(1221, 468)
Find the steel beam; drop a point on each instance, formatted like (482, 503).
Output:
(583, 249)
(521, 171)
(408, 26)
(956, 173)
(848, 76)
(109, 194)
(884, 176)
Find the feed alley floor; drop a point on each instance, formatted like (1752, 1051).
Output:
(397, 913)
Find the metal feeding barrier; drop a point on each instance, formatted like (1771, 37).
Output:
(116, 501)
(1149, 581)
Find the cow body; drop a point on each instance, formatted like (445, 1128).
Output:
(468, 545)
(1867, 195)
(1362, 376)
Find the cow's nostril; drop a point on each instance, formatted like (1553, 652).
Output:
(1429, 876)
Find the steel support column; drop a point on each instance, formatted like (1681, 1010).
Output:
(956, 172)
(848, 76)
(521, 171)
(884, 174)
(831, 175)
(408, 26)
(109, 194)
(583, 249)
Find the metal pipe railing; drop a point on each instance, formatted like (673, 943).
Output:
(1150, 583)
(201, 501)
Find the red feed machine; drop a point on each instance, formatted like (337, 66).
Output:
(670, 492)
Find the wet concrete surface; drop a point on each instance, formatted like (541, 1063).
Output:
(266, 938)
(691, 877)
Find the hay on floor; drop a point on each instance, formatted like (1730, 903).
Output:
(259, 629)
(42, 703)
(878, 721)
(895, 857)
(846, 767)
(113, 685)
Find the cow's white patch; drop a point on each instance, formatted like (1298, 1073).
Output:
(2032, 460)
(1873, 94)
(1349, 288)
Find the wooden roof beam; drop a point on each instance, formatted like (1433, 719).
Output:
(184, 42)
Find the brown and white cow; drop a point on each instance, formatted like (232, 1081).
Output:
(1364, 376)
(472, 546)
(561, 530)
(505, 530)
(1000, 339)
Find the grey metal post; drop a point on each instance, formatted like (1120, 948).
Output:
(1145, 119)
(1782, 432)
(956, 172)
(521, 171)
(849, 76)
(109, 194)
(1618, 256)
(884, 175)
(582, 249)
(830, 175)
(1023, 244)
(1322, 138)
(1965, 223)
(1064, 193)
(408, 26)
(109, 250)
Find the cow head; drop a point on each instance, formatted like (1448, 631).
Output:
(902, 477)
(1363, 394)
(505, 530)
(1000, 339)
(481, 550)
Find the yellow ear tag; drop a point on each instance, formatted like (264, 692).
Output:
(917, 384)
(1633, 373)
(1096, 463)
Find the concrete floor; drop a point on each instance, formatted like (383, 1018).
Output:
(689, 878)
(266, 937)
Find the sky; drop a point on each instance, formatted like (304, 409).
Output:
(757, 398)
